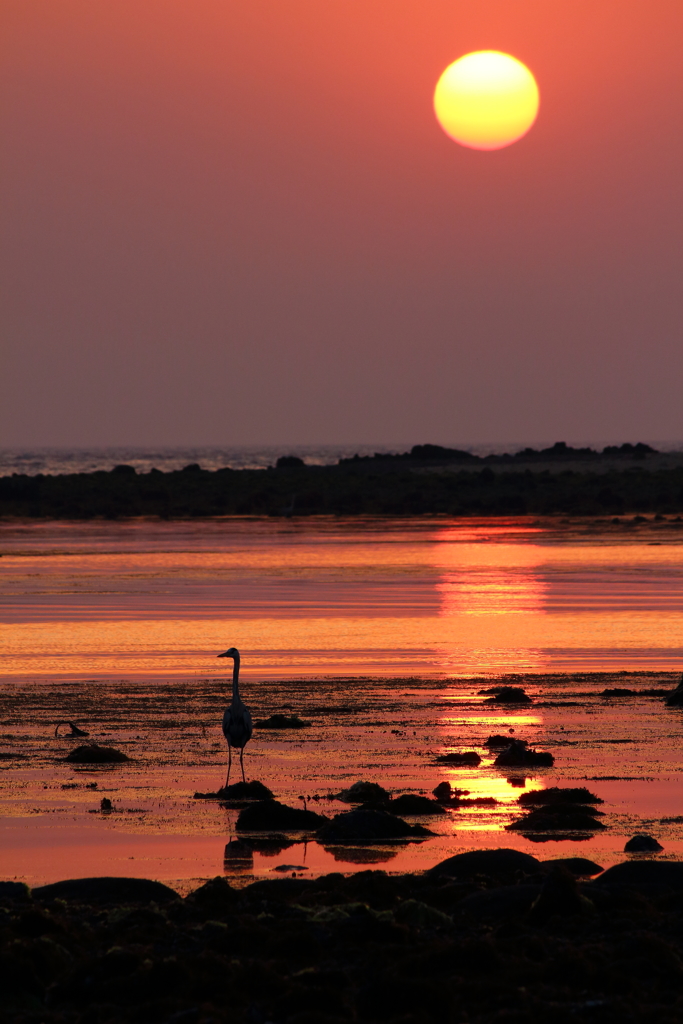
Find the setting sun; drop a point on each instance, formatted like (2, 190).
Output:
(486, 100)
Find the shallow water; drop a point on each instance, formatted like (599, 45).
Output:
(116, 626)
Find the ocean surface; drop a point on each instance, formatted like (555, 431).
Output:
(380, 633)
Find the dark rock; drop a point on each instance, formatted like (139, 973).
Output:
(505, 901)
(644, 875)
(359, 792)
(94, 754)
(368, 826)
(502, 741)
(618, 691)
(107, 890)
(557, 818)
(501, 864)
(518, 754)
(675, 698)
(558, 795)
(559, 897)
(14, 891)
(643, 844)
(510, 695)
(468, 759)
(580, 867)
(412, 803)
(272, 816)
(282, 722)
(217, 892)
(106, 805)
(239, 792)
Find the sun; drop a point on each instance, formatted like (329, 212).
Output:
(486, 100)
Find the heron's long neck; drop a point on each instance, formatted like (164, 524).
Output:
(236, 677)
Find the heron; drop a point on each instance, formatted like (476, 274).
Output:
(237, 725)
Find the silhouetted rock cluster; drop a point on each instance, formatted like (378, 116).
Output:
(491, 936)
(558, 810)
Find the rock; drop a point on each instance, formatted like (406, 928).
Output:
(505, 901)
(445, 793)
(510, 695)
(618, 691)
(416, 914)
(14, 891)
(359, 792)
(106, 805)
(675, 697)
(217, 892)
(643, 844)
(239, 791)
(517, 754)
(559, 897)
(558, 818)
(272, 816)
(468, 759)
(412, 803)
(558, 795)
(500, 864)
(368, 826)
(580, 867)
(94, 754)
(282, 722)
(666, 874)
(246, 791)
(502, 741)
(107, 890)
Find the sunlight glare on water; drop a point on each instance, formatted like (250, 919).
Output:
(152, 600)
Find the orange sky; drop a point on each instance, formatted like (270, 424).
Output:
(238, 222)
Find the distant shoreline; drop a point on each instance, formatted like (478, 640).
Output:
(428, 480)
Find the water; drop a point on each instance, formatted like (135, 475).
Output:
(381, 633)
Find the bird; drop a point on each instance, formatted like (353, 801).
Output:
(237, 724)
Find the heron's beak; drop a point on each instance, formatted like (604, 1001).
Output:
(225, 654)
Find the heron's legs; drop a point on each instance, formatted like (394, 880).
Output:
(227, 781)
(242, 764)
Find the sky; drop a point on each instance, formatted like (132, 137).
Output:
(238, 222)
